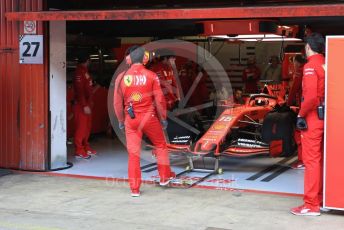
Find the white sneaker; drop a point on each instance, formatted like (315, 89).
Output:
(164, 183)
(82, 156)
(135, 193)
(298, 165)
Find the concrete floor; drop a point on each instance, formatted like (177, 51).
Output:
(40, 202)
(247, 173)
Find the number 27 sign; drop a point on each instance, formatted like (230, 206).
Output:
(31, 49)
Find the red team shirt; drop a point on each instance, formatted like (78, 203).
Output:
(313, 78)
(250, 78)
(141, 88)
(82, 86)
(294, 97)
(168, 82)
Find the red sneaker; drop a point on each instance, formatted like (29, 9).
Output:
(172, 175)
(82, 155)
(305, 210)
(135, 193)
(91, 151)
(298, 165)
(165, 182)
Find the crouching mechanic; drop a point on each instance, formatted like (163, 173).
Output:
(310, 121)
(138, 100)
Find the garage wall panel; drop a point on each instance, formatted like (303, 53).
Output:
(23, 88)
(57, 91)
(9, 97)
(233, 56)
(334, 157)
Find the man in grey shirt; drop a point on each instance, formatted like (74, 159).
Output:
(273, 71)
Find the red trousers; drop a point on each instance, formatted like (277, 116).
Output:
(83, 125)
(312, 156)
(148, 124)
(297, 138)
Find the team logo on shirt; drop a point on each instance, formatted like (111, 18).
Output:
(128, 80)
(136, 97)
(140, 80)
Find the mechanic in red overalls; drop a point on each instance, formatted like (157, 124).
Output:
(294, 96)
(185, 80)
(82, 83)
(311, 122)
(163, 68)
(251, 76)
(294, 99)
(138, 101)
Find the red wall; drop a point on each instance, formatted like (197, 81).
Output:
(334, 157)
(23, 100)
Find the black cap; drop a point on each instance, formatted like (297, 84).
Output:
(136, 53)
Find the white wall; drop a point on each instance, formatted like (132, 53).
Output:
(228, 54)
(58, 121)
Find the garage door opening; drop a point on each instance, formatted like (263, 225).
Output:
(106, 52)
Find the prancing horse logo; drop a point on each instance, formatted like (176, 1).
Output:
(128, 80)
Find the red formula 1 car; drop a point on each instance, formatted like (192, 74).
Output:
(261, 126)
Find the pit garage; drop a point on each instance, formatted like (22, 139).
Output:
(213, 48)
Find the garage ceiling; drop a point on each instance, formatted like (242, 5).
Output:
(137, 4)
(172, 28)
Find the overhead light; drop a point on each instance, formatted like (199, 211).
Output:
(285, 27)
(272, 40)
(110, 61)
(257, 37)
(248, 36)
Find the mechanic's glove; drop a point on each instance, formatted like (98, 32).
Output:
(301, 123)
(164, 124)
(121, 126)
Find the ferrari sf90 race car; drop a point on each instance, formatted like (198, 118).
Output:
(263, 125)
